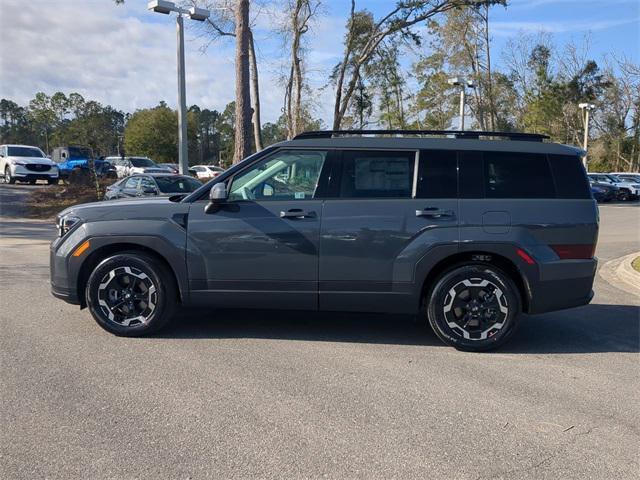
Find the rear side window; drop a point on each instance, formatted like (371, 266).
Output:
(377, 174)
(517, 175)
(471, 174)
(569, 175)
(437, 174)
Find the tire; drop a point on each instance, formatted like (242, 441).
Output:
(8, 178)
(52, 181)
(147, 311)
(32, 182)
(623, 196)
(488, 310)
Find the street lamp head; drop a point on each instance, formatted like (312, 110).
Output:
(199, 14)
(161, 6)
(454, 81)
(588, 106)
(470, 84)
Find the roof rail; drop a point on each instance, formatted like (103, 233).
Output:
(466, 134)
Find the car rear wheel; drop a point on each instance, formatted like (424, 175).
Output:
(131, 294)
(473, 307)
(52, 181)
(8, 178)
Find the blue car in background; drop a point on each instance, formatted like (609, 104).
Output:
(70, 158)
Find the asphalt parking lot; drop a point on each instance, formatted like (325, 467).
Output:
(298, 395)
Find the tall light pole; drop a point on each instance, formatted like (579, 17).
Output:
(200, 15)
(585, 108)
(459, 82)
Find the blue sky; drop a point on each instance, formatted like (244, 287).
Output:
(125, 56)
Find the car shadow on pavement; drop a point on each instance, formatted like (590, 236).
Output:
(590, 329)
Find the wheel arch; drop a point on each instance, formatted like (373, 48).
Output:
(482, 256)
(104, 251)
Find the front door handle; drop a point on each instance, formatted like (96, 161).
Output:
(297, 213)
(433, 212)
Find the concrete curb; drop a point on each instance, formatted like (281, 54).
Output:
(619, 273)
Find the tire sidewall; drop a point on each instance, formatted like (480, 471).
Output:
(437, 295)
(160, 278)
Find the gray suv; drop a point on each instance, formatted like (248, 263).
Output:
(466, 231)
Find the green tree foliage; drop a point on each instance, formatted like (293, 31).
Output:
(153, 132)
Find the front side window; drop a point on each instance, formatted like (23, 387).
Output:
(287, 175)
(132, 183)
(377, 174)
(80, 153)
(142, 162)
(147, 183)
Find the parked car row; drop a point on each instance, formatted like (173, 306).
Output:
(26, 163)
(615, 186)
(152, 184)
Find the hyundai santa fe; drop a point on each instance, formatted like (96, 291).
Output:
(466, 232)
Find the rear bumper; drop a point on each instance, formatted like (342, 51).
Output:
(562, 284)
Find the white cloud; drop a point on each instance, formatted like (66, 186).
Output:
(513, 28)
(119, 55)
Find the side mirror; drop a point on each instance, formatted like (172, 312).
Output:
(218, 193)
(150, 191)
(217, 196)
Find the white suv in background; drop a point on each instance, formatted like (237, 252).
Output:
(26, 164)
(206, 172)
(131, 165)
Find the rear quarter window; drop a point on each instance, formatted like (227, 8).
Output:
(517, 175)
(570, 176)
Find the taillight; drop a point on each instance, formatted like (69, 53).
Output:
(575, 252)
(525, 256)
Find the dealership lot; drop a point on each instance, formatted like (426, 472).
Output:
(299, 395)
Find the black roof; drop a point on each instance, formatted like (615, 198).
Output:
(431, 139)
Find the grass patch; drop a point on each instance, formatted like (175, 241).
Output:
(636, 264)
(48, 201)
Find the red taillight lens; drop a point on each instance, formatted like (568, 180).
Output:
(525, 256)
(567, 252)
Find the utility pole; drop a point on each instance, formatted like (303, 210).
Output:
(585, 108)
(200, 15)
(183, 151)
(460, 82)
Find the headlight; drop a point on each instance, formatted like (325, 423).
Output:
(18, 162)
(65, 223)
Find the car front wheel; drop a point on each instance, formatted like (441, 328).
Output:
(473, 307)
(131, 294)
(8, 178)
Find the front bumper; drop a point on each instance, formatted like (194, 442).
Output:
(21, 172)
(562, 284)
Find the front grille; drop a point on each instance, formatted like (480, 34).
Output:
(38, 167)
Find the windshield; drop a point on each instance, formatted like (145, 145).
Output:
(80, 152)
(613, 178)
(142, 162)
(177, 184)
(24, 152)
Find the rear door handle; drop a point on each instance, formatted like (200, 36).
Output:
(433, 212)
(297, 213)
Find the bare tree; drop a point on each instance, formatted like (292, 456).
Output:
(301, 13)
(222, 23)
(243, 97)
(359, 49)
